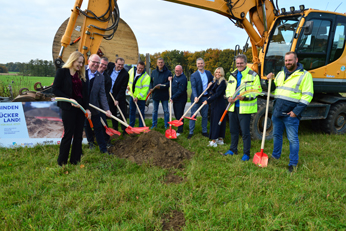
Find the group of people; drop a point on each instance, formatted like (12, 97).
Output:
(104, 85)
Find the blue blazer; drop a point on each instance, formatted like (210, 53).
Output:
(97, 94)
(196, 84)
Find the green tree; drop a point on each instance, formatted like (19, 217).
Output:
(3, 69)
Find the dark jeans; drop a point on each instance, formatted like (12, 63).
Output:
(114, 110)
(133, 108)
(241, 121)
(98, 130)
(73, 121)
(178, 108)
(291, 124)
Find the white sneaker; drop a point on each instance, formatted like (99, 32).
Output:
(212, 144)
(220, 141)
(178, 134)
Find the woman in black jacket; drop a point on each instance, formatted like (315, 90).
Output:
(70, 82)
(217, 107)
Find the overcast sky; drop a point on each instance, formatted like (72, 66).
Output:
(28, 27)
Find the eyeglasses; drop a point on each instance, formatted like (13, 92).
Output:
(94, 62)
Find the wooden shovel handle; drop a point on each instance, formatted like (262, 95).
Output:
(121, 113)
(194, 103)
(194, 114)
(112, 116)
(266, 115)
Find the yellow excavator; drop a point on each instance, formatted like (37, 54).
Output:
(318, 38)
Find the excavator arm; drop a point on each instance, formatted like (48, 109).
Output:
(260, 13)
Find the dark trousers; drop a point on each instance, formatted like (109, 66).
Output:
(114, 110)
(73, 121)
(241, 121)
(98, 130)
(133, 109)
(178, 108)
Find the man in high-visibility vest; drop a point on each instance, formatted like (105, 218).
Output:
(294, 91)
(139, 82)
(243, 106)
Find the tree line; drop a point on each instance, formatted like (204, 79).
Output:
(35, 67)
(213, 58)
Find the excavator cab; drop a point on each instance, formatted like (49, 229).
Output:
(318, 38)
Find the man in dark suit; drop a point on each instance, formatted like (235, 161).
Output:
(99, 99)
(199, 82)
(108, 81)
(119, 79)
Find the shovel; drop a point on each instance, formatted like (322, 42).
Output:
(129, 129)
(193, 117)
(146, 129)
(170, 133)
(260, 158)
(109, 131)
(179, 122)
(75, 103)
(121, 113)
(151, 91)
(251, 91)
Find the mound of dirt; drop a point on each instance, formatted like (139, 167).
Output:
(152, 147)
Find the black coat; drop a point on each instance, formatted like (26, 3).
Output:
(179, 88)
(62, 87)
(120, 84)
(217, 107)
(160, 77)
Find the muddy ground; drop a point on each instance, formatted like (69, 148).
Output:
(153, 148)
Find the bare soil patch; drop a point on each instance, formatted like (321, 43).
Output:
(171, 178)
(174, 220)
(153, 148)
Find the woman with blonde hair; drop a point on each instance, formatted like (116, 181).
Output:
(70, 82)
(217, 107)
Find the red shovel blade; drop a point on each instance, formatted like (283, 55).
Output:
(141, 129)
(115, 132)
(260, 159)
(191, 118)
(171, 133)
(129, 130)
(176, 123)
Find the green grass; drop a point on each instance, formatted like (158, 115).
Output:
(219, 193)
(18, 82)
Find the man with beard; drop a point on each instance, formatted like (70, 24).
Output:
(293, 92)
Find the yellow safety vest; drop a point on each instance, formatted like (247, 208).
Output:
(142, 84)
(298, 87)
(245, 107)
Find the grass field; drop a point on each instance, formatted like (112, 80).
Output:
(218, 193)
(17, 82)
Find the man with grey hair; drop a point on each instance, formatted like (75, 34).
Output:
(242, 107)
(199, 82)
(97, 97)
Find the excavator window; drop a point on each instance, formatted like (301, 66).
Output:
(339, 39)
(280, 42)
(312, 49)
